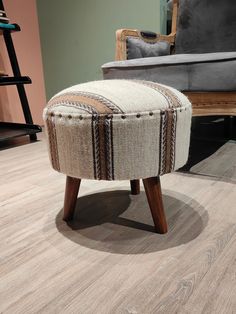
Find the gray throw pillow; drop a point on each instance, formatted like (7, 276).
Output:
(138, 48)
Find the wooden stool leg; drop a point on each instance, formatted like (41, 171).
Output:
(71, 192)
(135, 187)
(153, 191)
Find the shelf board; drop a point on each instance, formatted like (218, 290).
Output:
(13, 80)
(9, 130)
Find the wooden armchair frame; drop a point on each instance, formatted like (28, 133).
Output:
(204, 103)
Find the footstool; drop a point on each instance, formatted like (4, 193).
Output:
(118, 130)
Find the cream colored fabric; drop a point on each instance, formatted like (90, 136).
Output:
(118, 129)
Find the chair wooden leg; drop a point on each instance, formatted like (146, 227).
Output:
(135, 187)
(153, 191)
(71, 192)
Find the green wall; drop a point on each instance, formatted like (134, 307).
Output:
(78, 36)
(163, 16)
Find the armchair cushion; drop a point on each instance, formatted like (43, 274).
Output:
(186, 72)
(138, 48)
(206, 26)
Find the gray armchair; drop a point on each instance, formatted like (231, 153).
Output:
(198, 57)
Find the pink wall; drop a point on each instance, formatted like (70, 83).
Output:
(28, 50)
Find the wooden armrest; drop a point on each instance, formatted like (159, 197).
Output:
(149, 37)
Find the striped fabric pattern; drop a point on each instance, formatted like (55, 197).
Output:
(118, 129)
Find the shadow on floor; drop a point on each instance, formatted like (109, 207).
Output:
(208, 135)
(117, 222)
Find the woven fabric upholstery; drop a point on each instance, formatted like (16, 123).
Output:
(118, 129)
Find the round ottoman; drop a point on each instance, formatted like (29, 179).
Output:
(118, 130)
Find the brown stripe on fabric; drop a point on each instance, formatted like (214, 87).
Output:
(96, 147)
(162, 149)
(67, 104)
(171, 96)
(172, 99)
(167, 141)
(88, 96)
(168, 160)
(109, 149)
(160, 145)
(173, 143)
(102, 147)
(52, 139)
(83, 107)
(93, 128)
(107, 102)
(80, 99)
(105, 160)
(112, 151)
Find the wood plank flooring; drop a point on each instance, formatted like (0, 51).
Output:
(109, 260)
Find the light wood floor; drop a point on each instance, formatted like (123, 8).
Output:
(109, 260)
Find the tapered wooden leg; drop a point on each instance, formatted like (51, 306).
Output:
(135, 187)
(153, 191)
(71, 192)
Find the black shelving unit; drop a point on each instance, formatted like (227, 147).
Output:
(10, 130)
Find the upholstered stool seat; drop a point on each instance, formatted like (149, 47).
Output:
(117, 130)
